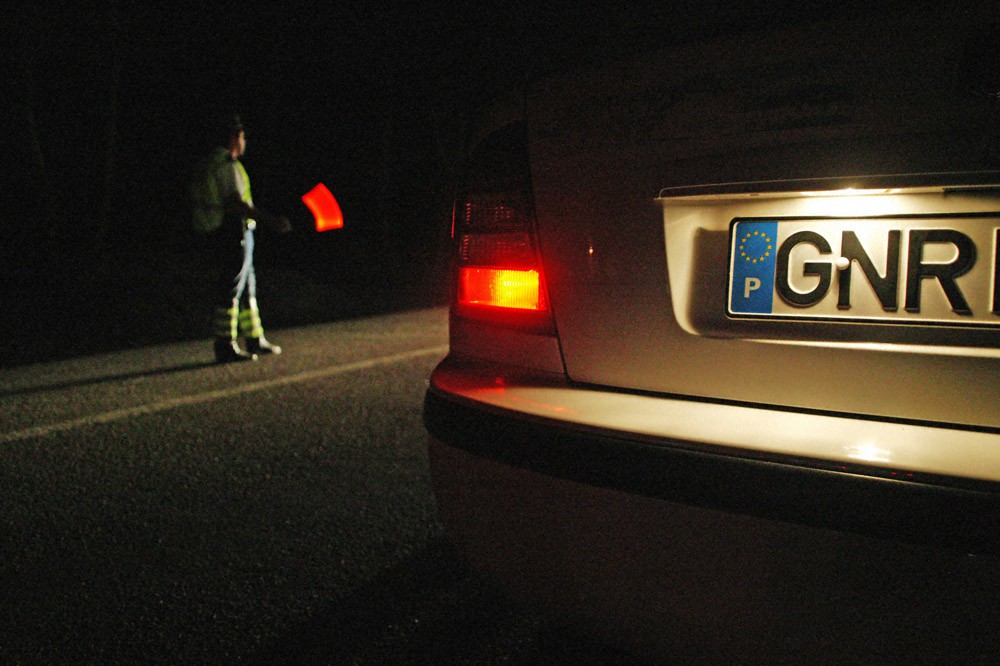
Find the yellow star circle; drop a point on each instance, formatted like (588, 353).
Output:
(755, 247)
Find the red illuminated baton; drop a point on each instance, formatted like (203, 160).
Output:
(324, 208)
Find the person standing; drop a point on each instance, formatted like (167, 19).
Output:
(225, 217)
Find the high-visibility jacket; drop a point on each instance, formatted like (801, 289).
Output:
(216, 180)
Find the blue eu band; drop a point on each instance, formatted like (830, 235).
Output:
(754, 250)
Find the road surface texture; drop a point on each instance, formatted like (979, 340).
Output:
(159, 508)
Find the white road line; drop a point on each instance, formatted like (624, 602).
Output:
(199, 398)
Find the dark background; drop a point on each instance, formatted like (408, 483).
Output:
(110, 104)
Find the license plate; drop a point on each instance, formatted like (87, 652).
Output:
(938, 269)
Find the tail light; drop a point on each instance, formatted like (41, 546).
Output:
(498, 274)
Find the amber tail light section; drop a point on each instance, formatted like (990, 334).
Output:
(500, 287)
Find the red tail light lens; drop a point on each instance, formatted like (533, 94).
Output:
(498, 274)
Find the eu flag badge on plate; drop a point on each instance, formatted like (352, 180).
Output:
(754, 250)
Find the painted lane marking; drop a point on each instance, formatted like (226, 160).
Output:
(200, 398)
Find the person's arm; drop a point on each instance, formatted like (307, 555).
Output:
(277, 223)
(241, 203)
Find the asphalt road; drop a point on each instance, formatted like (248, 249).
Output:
(159, 508)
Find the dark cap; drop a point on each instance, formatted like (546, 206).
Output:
(235, 124)
(224, 127)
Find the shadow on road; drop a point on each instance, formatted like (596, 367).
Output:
(90, 381)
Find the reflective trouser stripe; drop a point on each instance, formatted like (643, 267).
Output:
(250, 325)
(226, 322)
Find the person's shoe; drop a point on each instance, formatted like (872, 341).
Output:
(262, 346)
(228, 351)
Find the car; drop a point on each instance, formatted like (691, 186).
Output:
(724, 370)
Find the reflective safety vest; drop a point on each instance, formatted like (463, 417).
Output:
(216, 179)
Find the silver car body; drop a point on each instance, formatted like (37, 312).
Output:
(811, 478)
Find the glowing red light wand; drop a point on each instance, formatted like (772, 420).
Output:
(324, 208)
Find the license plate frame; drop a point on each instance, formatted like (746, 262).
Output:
(909, 270)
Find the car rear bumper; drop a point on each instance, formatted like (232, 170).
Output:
(705, 551)
(740, 459)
